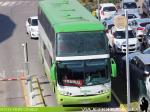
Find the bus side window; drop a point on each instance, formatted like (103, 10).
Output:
(47, 56)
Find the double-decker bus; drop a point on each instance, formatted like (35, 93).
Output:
(75, 53)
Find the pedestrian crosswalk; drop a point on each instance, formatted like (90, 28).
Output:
(11, 3)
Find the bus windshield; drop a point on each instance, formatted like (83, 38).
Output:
(83, 73)
(81, 43)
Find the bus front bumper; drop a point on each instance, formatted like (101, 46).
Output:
(72, 100)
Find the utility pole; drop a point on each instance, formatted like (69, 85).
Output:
(98, 10)
(26, 65)
(127, 64)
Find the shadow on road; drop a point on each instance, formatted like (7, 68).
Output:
(7, 27)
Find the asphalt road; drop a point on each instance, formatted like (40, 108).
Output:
(13, 14)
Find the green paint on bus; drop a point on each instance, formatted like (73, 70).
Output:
(73, 43)
(69, 16)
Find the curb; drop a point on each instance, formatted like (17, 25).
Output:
(38, 100)
(25, 93)
(22, 77)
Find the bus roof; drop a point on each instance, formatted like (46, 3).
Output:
(69, 16)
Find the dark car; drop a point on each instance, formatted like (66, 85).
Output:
(140, 71)
(139, 65)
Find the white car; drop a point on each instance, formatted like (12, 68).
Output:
(117, 40)
(32, 27)
(130, 6)
(106, 10)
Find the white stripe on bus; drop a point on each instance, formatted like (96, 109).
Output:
(82, 57)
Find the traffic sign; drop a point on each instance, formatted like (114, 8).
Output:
(120, 22)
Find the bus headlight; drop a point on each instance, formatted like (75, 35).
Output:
(65, 93)
(103, 91)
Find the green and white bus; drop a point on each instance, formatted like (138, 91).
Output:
(75, 53)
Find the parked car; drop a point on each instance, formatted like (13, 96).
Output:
(146, 39)
(130, 6)
(106, 10)
(32, 27)
(139, 25)
(117, 40)
(146, 7)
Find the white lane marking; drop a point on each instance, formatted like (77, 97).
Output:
(12, 3)
(5, 3)
(19, 2)
(1, 3)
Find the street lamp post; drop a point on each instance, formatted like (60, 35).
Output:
(98, 10)
(26, 65)
(127, 64)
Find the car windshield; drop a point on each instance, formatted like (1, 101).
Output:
(131, 16)
(81, 43)
(129, 5)
(107, 9)
(34, 22)
(121, 34)
(83, 73)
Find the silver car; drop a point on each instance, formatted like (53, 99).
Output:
(138, 25)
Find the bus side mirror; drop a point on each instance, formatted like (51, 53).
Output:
(113, 68)
(53, 72)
